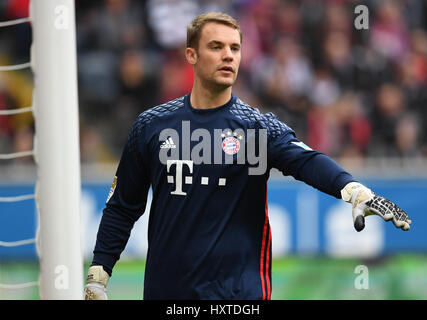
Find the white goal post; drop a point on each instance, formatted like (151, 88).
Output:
(56, 145)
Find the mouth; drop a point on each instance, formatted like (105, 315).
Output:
(226, 69)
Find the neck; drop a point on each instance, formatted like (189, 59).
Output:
(204, 98)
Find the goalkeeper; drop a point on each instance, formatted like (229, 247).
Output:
(209, 233)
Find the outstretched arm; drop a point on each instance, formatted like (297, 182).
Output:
(293, 157)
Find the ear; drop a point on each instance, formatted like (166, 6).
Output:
(191, 55)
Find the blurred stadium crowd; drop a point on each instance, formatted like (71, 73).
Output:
(352, 94)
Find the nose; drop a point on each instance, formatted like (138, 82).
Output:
(228, 54)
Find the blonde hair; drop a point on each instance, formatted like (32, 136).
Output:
(194, 29)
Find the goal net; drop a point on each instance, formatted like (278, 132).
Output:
(56, 150)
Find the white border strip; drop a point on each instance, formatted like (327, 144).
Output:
(8, 156)
(17, 243)
(19, 285)
(14, 22)
(15, 111)
(17, 198)
(15, 67)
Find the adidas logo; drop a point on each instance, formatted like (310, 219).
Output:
(168, 144)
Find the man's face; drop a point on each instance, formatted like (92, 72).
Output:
(217, 58)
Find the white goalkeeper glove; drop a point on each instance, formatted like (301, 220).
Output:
(366, 203)
(96, 284)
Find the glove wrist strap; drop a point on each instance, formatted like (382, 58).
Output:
(348, 191)
(98, 275)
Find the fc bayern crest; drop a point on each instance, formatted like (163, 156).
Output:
(231, 145)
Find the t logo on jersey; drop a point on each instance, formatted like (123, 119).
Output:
(178, 179)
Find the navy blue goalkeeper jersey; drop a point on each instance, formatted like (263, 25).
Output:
(209, 233)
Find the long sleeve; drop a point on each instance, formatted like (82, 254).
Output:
(126, 202)
(292, 157)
